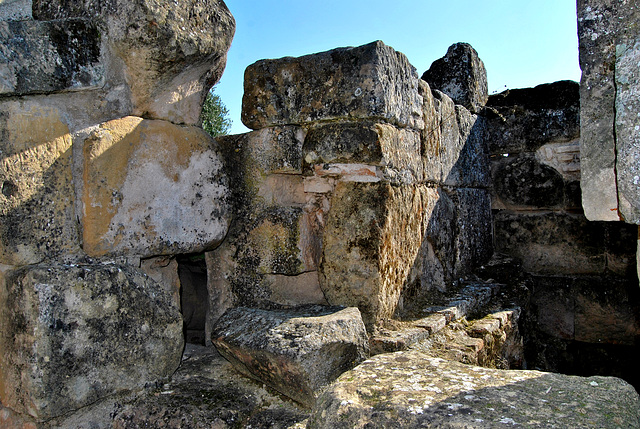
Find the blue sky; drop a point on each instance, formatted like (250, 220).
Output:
(522, 43)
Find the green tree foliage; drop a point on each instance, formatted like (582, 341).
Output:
(214, 117)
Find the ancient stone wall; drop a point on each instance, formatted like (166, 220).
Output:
(360, 184)
(101, 165)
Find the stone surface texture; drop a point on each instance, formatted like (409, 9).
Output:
(73, 334)
(370, 81)
(410, 389)
(152, 188)
(608, 34)
(15, 10)
(49, 56)
(296, 351)
(461, 75)
(172, 53)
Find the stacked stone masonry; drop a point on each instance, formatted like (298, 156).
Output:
(361, 186)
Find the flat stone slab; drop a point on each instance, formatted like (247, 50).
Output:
(296, 351)
(411, 390)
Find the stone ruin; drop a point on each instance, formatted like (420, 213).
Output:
(382, 249)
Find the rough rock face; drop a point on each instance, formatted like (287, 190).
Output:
(372, 237)
(608, 36)
(37, 200)
(172, 52)
(461, 75)
(370, 81)
(73, 334)
(15, 10)
(152, 188)
(49, 56)
(411, 390)
(296, 351)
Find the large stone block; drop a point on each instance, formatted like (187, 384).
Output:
(607, 32)
(414, 390)
(297, 351)
(172, 52)
(627, 129)
(367, 82)
(461, 75)
(454, 152)
(372, 237)
(53, 56)
(564, 243)
(152, 188)
(395, 149)
(522, 120)
(37, 216)
(73, 334)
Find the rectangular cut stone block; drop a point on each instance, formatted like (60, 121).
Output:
(627, 128)
(606, 30)
(152, 188)
(454, 151)
(297, 351)
(379, 144)
(52, 56)
(370, 81)
(372, 237)
(37, 216)
(71, 335)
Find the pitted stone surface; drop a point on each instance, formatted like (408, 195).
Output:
(461, 75)
(370, 81)
(296, 351)
(152, 187)
(411, 390)
(73, 334)
(43, 57)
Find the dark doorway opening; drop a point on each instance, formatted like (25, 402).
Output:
(194, 296)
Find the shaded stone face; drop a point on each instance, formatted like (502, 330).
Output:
(461, 75)
(370, 81)
(152, 188)
(71, 335)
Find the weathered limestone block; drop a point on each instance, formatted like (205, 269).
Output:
(372, 81)
(412, 390)
(172, 52)
(522, 120)
(520, 180)
(15, 10)
(563, 157)
(454, 153)
(379, 144)
(72, 334)
(372, 237)
(296, 351)
(37, 219)
(53, 56)
(556, 242)
(606, 30)
(152, 188)
(473, 229)
(461, 75)
(627, 128)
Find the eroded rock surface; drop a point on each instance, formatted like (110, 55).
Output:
(74, 334)
(296, 351)
(411, 389)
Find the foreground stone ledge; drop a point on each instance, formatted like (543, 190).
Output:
(369, 81)
(54, 56)
(152, 188)
(73, 334)
(296, 351)
(411, 390)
